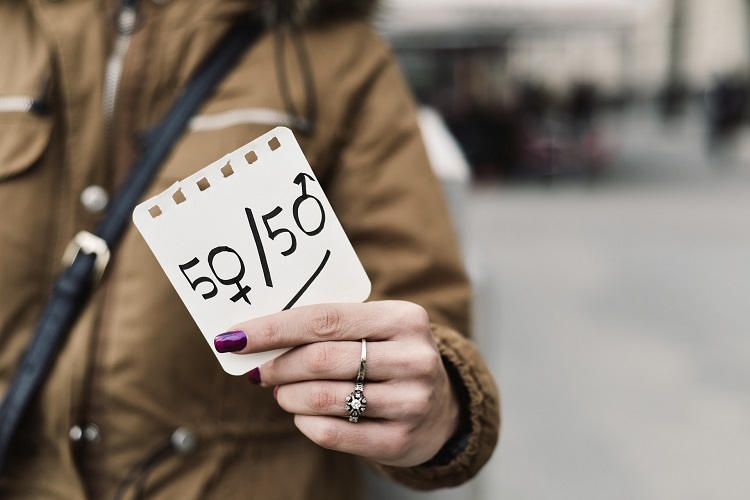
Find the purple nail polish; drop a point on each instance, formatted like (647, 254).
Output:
(254, 376)
(230, 341)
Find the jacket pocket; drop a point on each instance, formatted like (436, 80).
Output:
(24, 135)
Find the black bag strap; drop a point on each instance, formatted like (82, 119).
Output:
(88, 253)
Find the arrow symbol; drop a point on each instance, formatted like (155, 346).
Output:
(300, 179)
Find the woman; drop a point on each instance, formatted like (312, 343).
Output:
(80, 82)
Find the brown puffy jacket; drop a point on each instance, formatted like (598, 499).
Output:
(111, 399)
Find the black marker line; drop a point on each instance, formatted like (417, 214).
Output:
(309, 282)
(259, 246)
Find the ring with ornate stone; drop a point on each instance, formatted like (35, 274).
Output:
(356, 402)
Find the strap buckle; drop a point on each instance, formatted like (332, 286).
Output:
(88, 243)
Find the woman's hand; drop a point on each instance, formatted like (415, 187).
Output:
(412, 409)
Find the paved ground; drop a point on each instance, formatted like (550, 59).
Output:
(616, 318)
(620, 325)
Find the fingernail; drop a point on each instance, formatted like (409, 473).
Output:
(230, 341)
(276, 392)
(254, 376)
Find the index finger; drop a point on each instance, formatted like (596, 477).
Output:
(324, 323)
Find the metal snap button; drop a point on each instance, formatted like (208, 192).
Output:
(91, 434)
(75, 433)
(94, 199)
(184, 441)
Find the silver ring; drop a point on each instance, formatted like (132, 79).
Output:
(356, 402)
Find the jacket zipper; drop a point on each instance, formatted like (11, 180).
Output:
(16, 104)
(125, 21)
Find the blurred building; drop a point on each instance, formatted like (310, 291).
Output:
(516, 78)
(560, 42)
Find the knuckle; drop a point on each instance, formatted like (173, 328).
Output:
(324, 398)
(428, 364)
(326, 320)
(433, 364)
(402, 364)
(328, 436)
(322, 359)
(421, 404)
(417, 406)
(414, 317)
(398, 445)
(272, 330)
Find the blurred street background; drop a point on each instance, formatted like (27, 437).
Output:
(604, 207)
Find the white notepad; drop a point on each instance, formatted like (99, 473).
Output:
(249, 235)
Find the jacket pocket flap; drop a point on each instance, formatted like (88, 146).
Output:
(23, 139)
